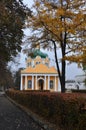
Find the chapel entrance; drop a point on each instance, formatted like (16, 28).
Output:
(41, 83)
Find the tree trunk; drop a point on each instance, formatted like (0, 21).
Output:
(63, 77)
(57, 65)
(63, 63)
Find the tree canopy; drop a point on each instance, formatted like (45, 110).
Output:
(61, 24)
(12, 19)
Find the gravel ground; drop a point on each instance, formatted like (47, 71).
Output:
(13, 118)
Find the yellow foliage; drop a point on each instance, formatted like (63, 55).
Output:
(64, 23)
(60, 12)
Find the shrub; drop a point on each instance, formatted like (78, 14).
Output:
(79, 91)
(66, 110)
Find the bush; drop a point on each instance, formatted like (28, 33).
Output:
(79, 91)
(68, 111)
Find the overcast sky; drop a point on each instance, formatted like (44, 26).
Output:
(28, 2)
(72, 69)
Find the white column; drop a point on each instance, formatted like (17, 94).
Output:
(32, 82)
(36, 82)
(25, 82)
(48, 82)
(55, 84)
(45, 84)
(21, 88)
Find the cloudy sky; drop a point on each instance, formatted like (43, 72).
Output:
(28, 2)
(71, 71)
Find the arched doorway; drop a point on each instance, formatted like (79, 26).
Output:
(41, 84)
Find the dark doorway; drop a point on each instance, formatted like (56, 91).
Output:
(41, 82)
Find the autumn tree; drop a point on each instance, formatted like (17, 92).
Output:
(6, 78)
(59, 23)
(17, 79)
(12, 18)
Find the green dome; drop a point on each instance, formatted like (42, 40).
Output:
(37, 52)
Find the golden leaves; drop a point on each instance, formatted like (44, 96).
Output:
(74, 58)
(60, 12)
(64, 23)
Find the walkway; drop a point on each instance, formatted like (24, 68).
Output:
(13, 118)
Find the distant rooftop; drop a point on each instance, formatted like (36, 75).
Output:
(80, 78)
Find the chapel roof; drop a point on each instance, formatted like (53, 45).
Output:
(40, 68)
(37, 52)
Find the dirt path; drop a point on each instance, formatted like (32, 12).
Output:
(13, 118)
